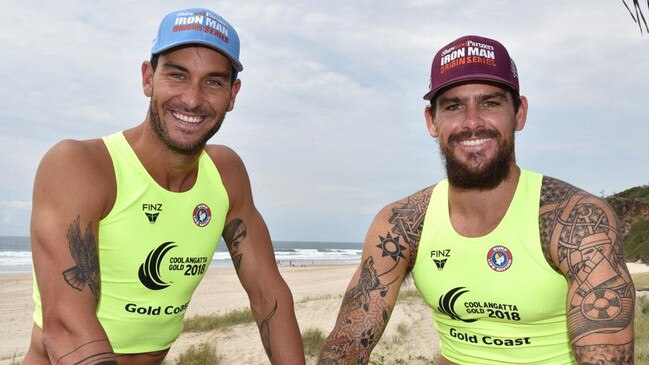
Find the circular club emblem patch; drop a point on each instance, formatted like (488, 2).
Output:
(202, 215)
(499, 258)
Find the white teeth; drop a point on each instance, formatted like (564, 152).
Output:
(187, 118)
(475, 142)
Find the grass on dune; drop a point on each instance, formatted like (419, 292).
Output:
(201, 354)
(642, 329)
(313, 339)
(641, 280)
(204, 323)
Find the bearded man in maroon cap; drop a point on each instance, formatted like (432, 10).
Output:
(517, 267)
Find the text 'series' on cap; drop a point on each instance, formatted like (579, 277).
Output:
(198, 26)
(472, 58)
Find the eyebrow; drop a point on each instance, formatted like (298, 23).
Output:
(482, 97)
(217, 74)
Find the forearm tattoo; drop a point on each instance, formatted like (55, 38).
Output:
(234, 233)
(364, 313)
(83, 355)
(83, 249)
(580, 237)
(361, 320)
(264, 331)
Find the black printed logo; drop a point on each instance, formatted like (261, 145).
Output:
(440, 257)
(149, 272)
(440, 264)
(447, 303)
(152, 211)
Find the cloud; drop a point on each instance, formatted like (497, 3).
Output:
(329, 119)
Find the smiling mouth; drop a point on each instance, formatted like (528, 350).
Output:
(187, 119)
(474, 142)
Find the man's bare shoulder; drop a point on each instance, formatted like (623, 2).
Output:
(77, 170)
(570, 218)
(555, 192)
(414, 204)
(225, 159)
(70, 152)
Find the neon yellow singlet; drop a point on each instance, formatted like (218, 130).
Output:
(154, 248)
(495, 299)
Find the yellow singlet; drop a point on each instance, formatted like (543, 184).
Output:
(495, 299)
(154, 248)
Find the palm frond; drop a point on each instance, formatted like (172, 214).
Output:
(637, 15)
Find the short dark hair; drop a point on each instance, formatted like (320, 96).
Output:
(154, 64)
(516, 99)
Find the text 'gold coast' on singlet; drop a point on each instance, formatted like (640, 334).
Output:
(495, 299)
(154, 248)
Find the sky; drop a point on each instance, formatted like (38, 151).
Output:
(329, 120)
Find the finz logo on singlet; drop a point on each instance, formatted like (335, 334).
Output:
(499, 258)
(149, 272)
(447, 301)
(202, 215)
(440, 257)
(152, 211)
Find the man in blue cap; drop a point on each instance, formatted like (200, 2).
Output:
(124, 227)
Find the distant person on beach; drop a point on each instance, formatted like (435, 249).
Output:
(124, 227)
(517, 267)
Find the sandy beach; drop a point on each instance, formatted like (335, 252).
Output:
(317, 291)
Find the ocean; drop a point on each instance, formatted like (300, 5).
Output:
(16, 255)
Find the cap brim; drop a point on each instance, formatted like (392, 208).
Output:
(485, 77)
(236, 64)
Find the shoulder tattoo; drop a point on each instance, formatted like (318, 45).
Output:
(407, 223)
(580, 237)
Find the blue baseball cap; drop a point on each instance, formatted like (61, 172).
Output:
(198, 26)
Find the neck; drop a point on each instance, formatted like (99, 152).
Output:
(172, 170)
(474, 212)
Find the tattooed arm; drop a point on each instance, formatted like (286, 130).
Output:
(580, 235)
(388, 255)
(248, 241)
(71, 191)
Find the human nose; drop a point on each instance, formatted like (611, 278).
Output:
(472, 117)
(192, 95)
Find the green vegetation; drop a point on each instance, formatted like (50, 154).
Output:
(641, 280)
(636, 245)
(204, 323)
(313, 339)
(638, 192)
(310, 298)
(202, 354)
(641, 325)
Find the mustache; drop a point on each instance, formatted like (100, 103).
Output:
(479, 133)
(182, 107)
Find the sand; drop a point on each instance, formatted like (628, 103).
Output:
(317, 291)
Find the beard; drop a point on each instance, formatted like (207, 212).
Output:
(488, 174)
(162, 131)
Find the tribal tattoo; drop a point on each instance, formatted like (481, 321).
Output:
(234, 233)
(407, 223)
(580, 237)
(83, 249)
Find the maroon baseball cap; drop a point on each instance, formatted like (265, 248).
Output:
(472, 58)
